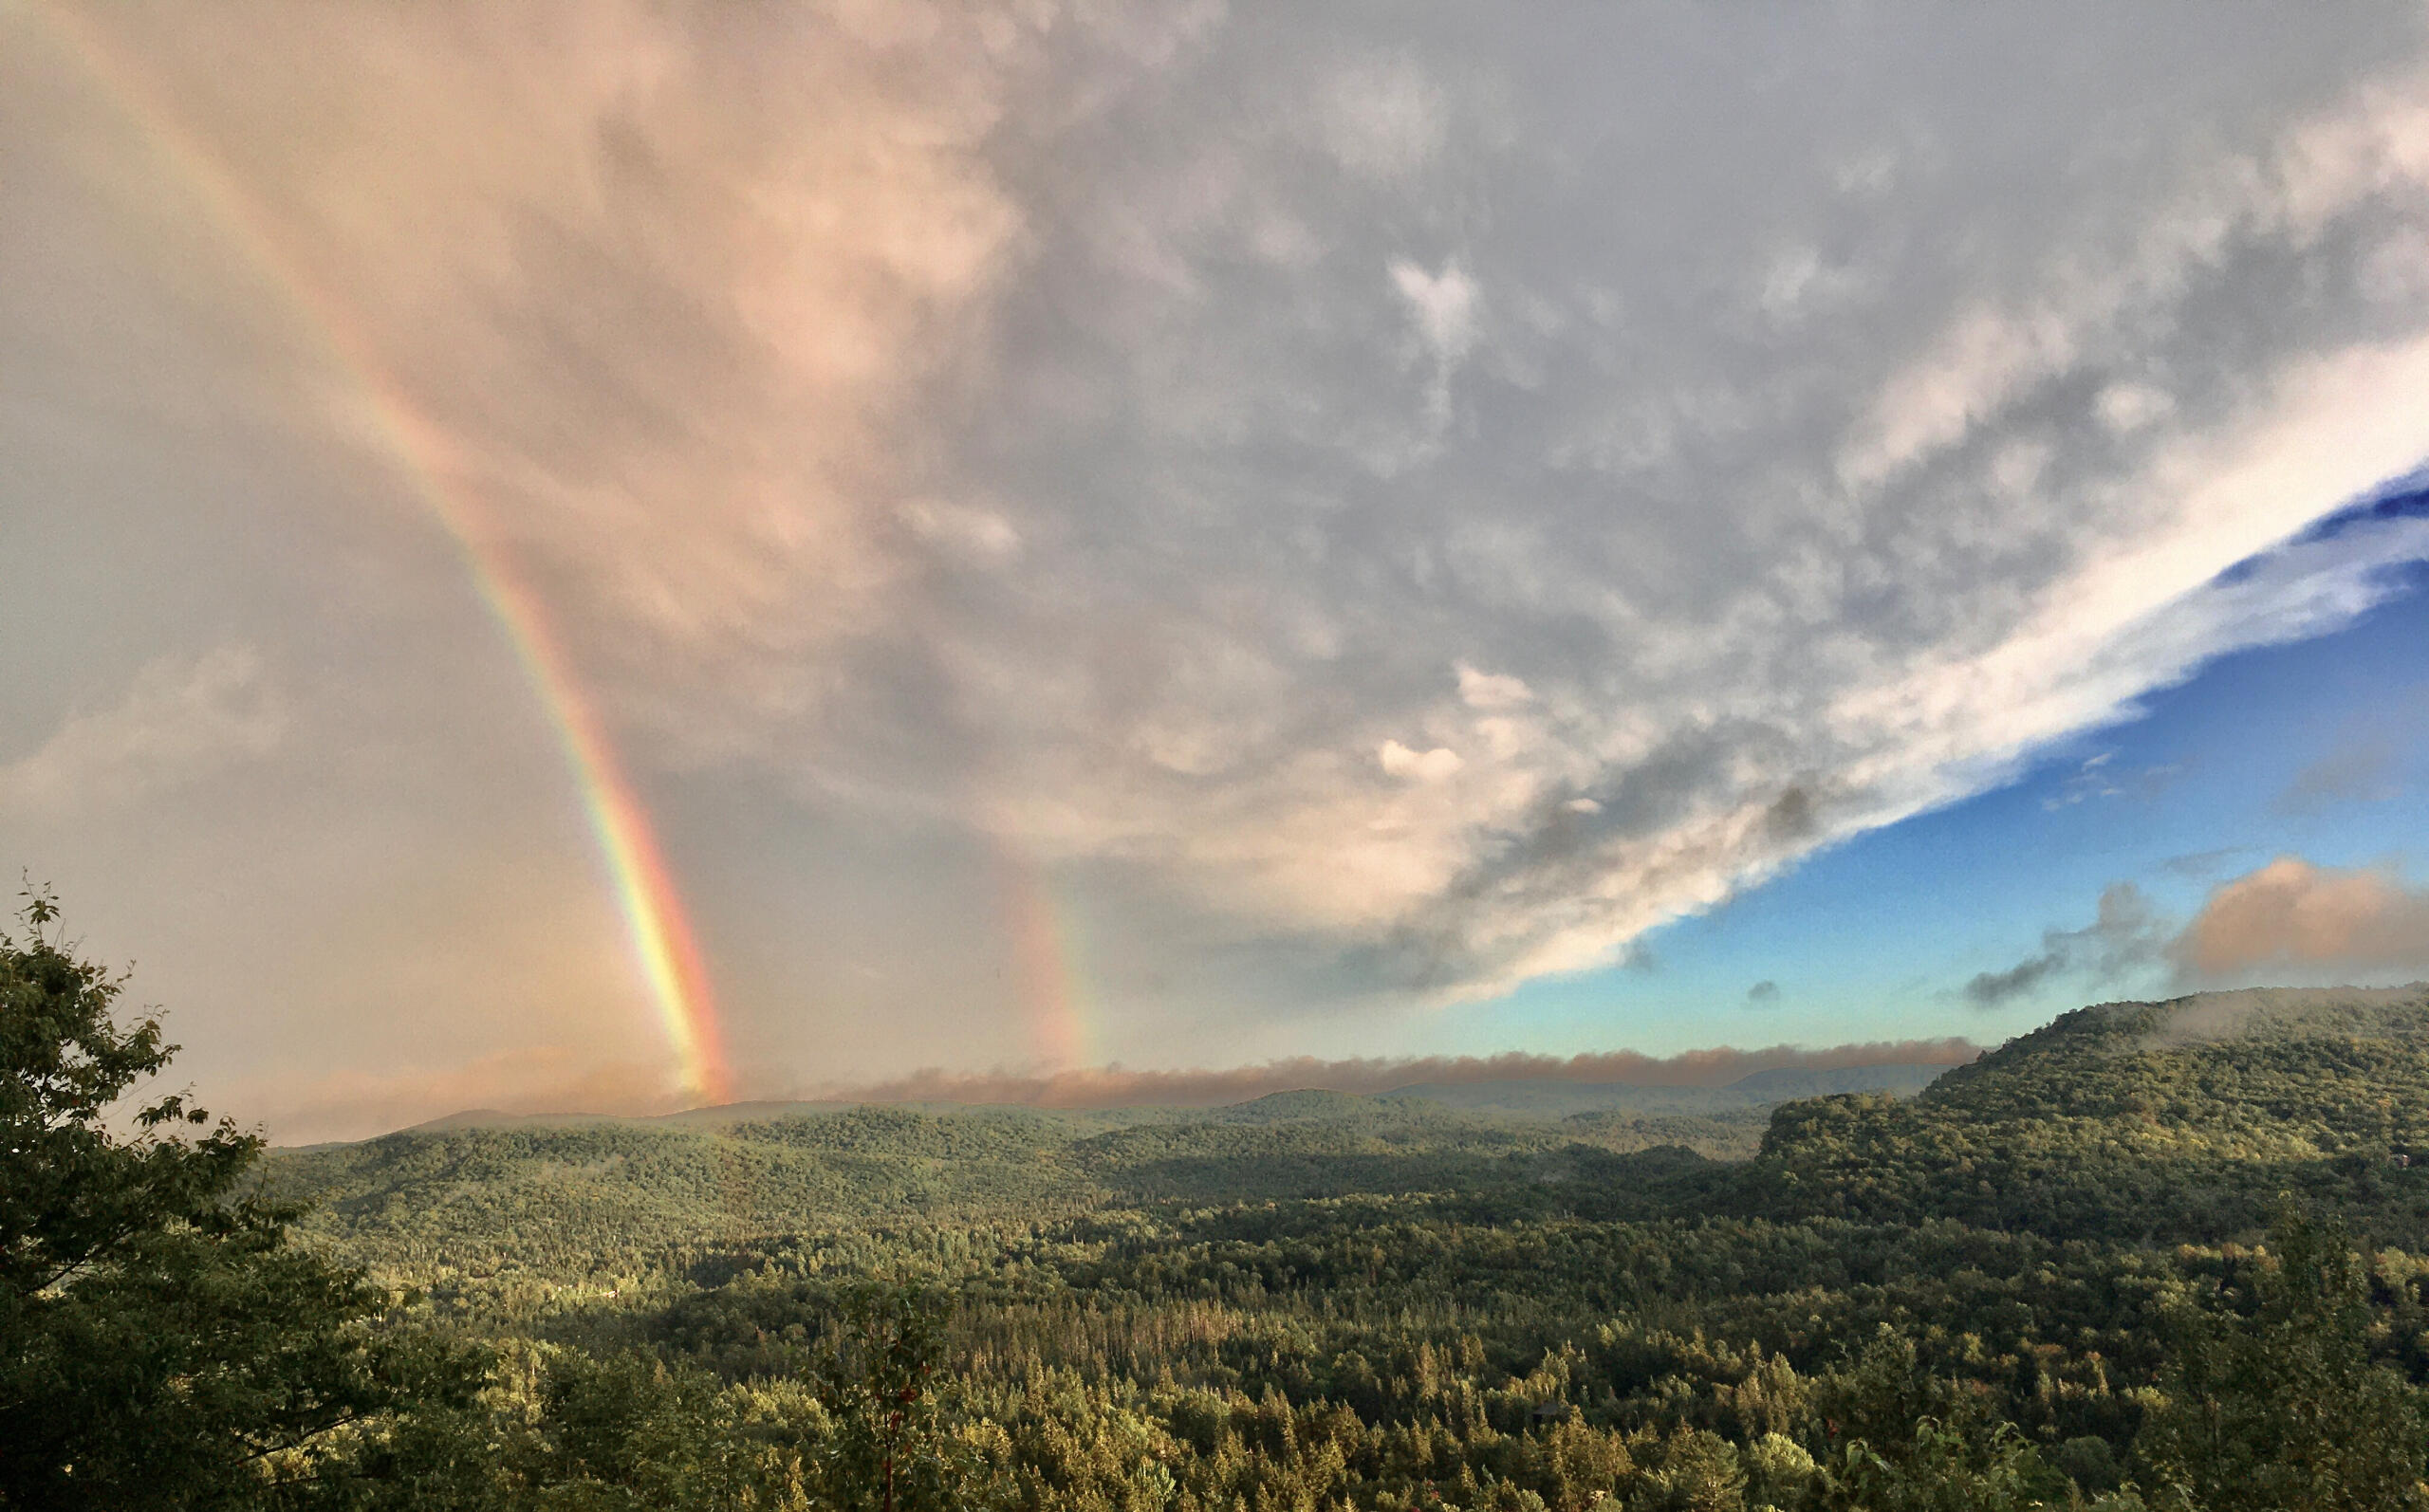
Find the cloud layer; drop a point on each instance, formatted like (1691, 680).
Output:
(1426, 504)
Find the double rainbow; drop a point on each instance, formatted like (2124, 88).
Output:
(661, 940)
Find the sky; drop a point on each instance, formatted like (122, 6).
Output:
(612, 556)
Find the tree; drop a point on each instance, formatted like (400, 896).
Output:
(161, 1341)
(876, 1379)
(2280, 1407)
(1905, 1440)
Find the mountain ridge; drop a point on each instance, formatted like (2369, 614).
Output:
(1523, 1098)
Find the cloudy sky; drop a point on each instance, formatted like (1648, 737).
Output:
(1176, 536)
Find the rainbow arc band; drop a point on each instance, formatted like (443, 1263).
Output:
(1046, 959)
(660, 937)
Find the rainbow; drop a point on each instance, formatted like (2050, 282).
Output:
(1045, 943)
(664, 946)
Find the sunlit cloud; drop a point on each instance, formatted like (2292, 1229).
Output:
(2289, 921)
(2291, 916)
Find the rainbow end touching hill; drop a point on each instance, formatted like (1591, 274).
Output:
(1046, 957)
(659, 935)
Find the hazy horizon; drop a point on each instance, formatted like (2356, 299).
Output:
(1106, 1088)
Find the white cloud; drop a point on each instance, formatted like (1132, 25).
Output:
(1444, 308)
(1488, 689)
(181, 721)
(2093, 311)
(2128, 407)
(1798, 283)
(1425, 767)
(966, 530)
(1444, 304)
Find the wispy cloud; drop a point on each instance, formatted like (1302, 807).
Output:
(2203, 866)
(2099, 777)
(2356, 772)
(2367, 761)
(182, 720)
(2125, 934)
(1992, 990)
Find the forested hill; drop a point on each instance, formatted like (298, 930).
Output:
(478, 1192)
(619, 1194)
(2148, 1122)
(2152, 1258)
(2139, 1122)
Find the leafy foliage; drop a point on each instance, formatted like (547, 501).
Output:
(2272, 1400)
(162, 1343)
(2063, 1277)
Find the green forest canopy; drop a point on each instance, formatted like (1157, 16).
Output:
(2156, 1255)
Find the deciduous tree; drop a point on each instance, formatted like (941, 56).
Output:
(162, 1342)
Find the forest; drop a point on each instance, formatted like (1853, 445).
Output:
(2153, 1256)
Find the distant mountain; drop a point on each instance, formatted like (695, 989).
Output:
(1519, 1099)
(2175, 1122)
(494, 1118)
(1798, 1081)
(560, 1194)
(1535, 1098)
(1292, 1107)
(721, 1115)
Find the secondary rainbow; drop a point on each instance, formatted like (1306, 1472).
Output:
(1046, 957)
(664, 946)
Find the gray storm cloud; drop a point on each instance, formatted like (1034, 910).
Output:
(2123, 936)
(1440, 504)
